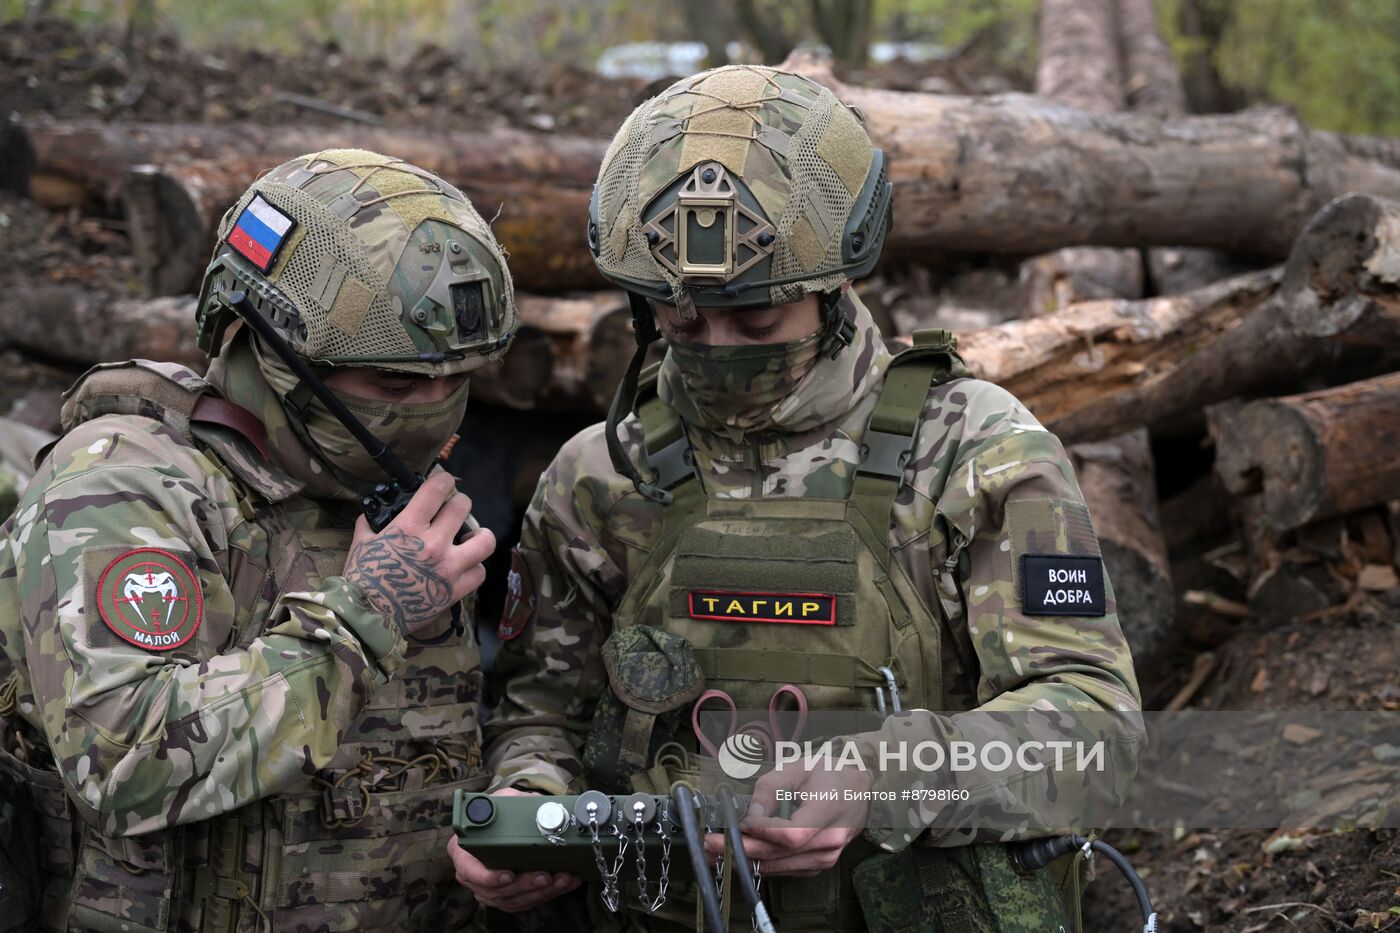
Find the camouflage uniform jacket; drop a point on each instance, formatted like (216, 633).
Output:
(979, 453)
(289, 724)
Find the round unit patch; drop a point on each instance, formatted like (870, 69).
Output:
(150, 598)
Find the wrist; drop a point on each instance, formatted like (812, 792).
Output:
(376, 632)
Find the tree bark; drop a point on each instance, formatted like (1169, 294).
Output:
(1151, 79)
(1016, 174)
(1078, 64)
(1314, 455)
(73, 325)
(1100, 368)
(535, 187)
(1344, 271)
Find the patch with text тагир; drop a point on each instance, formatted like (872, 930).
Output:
(799, 608)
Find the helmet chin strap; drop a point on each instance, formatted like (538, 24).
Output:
(625, 399)
(838, 331)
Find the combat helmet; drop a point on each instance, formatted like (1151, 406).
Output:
(736, 187)
(360, 259)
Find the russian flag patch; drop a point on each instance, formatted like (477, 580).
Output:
(259, 233)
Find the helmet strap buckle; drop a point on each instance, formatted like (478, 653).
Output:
(840, 329)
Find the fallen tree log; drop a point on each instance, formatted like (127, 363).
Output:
(1100, 368)
(1315, 455)
(1020, 175)
(1344, 272)
(535, 187)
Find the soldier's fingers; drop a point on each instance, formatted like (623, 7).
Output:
(453, 513)
(471, 873)
(782, 833)
(531, 890)
(425, 503)
(362, 531)
(473, 551)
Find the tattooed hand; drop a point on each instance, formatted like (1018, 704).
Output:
(412, 571)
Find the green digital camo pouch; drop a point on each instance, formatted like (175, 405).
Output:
(653, 677)
(967, 889)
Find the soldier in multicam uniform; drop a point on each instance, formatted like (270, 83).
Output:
(779, 449)
(227, 703)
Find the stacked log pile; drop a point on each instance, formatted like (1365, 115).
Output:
(1209, 311)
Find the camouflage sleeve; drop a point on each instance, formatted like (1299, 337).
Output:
(1010, 492)
(154, 716)
(563, 585)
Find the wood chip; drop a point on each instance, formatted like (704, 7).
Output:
(1299, 734)
(1260, 683)
(1377, 578)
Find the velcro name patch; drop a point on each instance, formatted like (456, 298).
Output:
(1062, 585)
(259, 232)
(796, 608)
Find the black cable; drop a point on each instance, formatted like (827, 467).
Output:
(695, 845)
(1037, 853)
(741, 859)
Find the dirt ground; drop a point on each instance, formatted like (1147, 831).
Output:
(1238, 881)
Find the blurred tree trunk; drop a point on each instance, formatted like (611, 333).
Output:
(1151, 79)
(1202, 24)
(845, 26)
(704, 21)
(763, 31)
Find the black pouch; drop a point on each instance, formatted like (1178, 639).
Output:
(653, 675)
(19, 865)
(967, 889)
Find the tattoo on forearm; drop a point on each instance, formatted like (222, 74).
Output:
(399, 579)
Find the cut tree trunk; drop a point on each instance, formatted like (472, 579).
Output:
(1315, 455)
(1079, 67)
(535, 187)
(1019, 175)
(1078, 64)
(1151, 79)
(1120, 486)
(95, 329)
(1100, 368)
(1344, 271)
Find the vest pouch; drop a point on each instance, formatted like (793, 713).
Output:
(358, 873)
(771, 591)
(20, 886)
(966, 889)
(124, 884)
(653, 676)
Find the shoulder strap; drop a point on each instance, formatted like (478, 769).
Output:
(894, 424)
(667, 446)
(175, 395)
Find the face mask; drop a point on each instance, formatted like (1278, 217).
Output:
(737, 388)
(416, 433)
